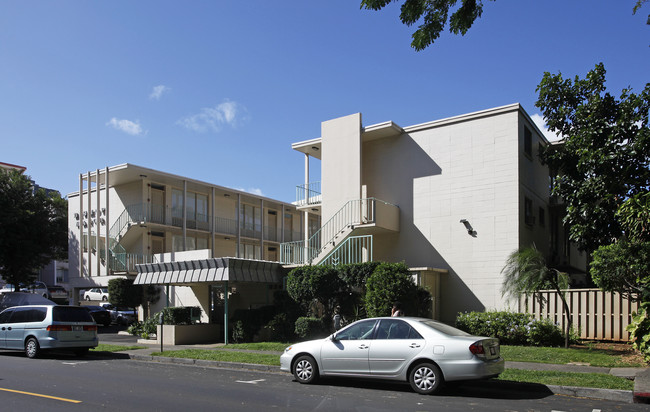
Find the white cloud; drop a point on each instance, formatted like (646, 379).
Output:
(252, 190)
(126, 126)
(541, 124)
(214, 118)
(158, 91)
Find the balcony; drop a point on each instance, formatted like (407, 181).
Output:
(308, 194)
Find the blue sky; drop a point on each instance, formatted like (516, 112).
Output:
(218, 90)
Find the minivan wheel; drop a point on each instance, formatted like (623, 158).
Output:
(305, 369)
(425, 378)
(31, 348)
(87, 298)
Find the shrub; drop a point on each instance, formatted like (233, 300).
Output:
(640, 331)
(144, 329)
(511, 328)
(390, 283)
(238, 332)
(310, 328)
(281, 328)
(252, 320)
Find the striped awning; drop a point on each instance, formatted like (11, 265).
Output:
(212, 270)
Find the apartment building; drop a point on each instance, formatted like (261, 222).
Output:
(452, 198)
(127, 220)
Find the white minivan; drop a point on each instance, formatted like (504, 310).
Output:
(35, 328)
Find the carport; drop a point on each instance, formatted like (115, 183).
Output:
(213, 271)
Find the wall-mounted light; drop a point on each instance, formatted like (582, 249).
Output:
(468, 226)
(226, 195)
(77, 225)
(76, 216)
(102, 221)
(85, 214)
(103, 211)
(92, 213)
(315, 148)
(85, 224)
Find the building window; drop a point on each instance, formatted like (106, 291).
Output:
(528, 141)
(542, 217)
(251, 220)
(528, 212)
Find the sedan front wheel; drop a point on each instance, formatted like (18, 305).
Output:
(305, 369)
(425, 378)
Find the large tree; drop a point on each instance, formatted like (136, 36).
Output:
(33, 227)
(435, 14)
(603, 157)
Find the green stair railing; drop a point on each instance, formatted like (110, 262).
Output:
(354, 212)
(355, 249)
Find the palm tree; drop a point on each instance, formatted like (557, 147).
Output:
(526, 271)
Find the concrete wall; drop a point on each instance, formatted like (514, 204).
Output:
(439, 174)
(340, 163)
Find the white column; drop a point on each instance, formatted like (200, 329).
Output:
(81, 224)
(306, 213)
(97, 236)
(108, 227)
(90, 266)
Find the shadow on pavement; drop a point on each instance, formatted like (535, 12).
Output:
(490, 389)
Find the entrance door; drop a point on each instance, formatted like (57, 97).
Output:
(157, 245)
(157, 205)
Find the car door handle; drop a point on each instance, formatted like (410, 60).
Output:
(414, 345)
(363, 346)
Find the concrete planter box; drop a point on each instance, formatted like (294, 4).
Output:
(190, 334)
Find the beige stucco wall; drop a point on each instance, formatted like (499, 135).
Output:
(340, 163)
(438, 175)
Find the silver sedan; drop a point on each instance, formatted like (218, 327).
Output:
(423, 352)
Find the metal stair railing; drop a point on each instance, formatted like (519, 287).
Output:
(354, 212)
(355, 249)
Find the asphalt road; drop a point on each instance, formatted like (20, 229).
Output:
(60, 382)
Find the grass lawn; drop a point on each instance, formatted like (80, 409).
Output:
(224, 356)
(585, 380)
(582, 355)
(115, 348)
(266, 346)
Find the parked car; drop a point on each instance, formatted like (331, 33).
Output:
(99, 314)
(420, 351)
(121, 315)
(38, 288)
(8, 288)
(35, 328)
(96, 294)
(10, 299)
(58, 294)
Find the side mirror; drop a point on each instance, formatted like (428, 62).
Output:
(334, 338)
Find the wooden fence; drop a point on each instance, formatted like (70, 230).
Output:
(597, 315)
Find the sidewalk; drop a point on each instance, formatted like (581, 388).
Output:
(641, 376)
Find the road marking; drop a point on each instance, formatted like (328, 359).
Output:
(74, 363)
(40, 395)
(255, 382)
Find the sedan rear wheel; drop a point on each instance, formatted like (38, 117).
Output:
(425, 378)
(305, 369)
(32, 349)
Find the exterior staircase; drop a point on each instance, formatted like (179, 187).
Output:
(370, 213)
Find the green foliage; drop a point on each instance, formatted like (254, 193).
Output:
(144, 329)
(604, 157)
(122, 292)
(238, 334)
(526, 271)
(252, 320)
(180, 315)
(634, 215)
(281, 328)
(33, 228)
(622, 267)
(434, 14)
(355, 275)
(639, 330)
(320, 283)
(390, 283)
(511, 328)
(310, 328)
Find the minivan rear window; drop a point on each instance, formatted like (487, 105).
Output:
(70, 314)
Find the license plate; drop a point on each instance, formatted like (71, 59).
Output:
(493, 351)
(77, 328)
